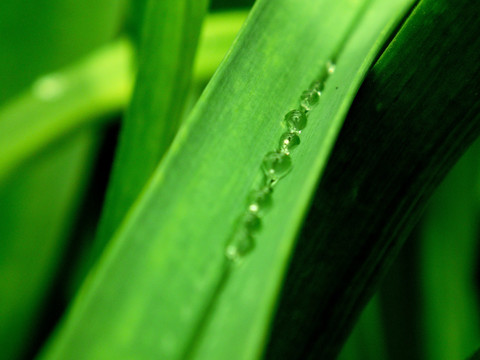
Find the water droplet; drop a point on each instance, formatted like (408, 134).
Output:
(317, 86)
(288, 142)
(239, 245)
(260, 200)
(276, 165)
(251, 221)
(330, 67)
(295, 120)
(309, 99)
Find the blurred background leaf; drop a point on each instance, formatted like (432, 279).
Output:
(170, 35)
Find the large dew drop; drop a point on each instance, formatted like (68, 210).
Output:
(309, 99)
(295, 120)
(317, 86)
(288, 142)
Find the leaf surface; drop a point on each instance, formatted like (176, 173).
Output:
(162, 288)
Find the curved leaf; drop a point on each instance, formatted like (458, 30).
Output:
(162, 289)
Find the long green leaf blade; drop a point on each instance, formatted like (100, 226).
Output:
(166, 261)
(170, 35)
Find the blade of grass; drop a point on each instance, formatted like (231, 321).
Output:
(169, 40)
(148, 294)
(415, 114)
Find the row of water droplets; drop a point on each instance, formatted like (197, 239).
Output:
(276, 164)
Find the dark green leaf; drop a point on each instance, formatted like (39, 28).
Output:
(416, 113)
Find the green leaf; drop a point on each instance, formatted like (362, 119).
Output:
(416, 113)
(162, 289)
(170, 34)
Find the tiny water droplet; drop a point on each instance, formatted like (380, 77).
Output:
(296, 120)
(276, 165)
(239, 245)
(251, 221)
(288, 142)
(317, 86)
(309, 99)
(260, 200)
(330, 67)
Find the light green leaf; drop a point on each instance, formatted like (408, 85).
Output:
(163, 288)
(170, 33)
